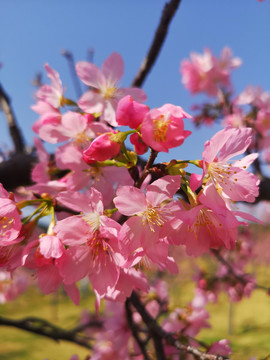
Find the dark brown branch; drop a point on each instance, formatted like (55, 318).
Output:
(134, 329)
(159, 38)
(45, 328)
(157, 332)
(14, 130)
(146, 169)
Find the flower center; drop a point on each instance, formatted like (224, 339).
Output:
(109, 92)
(153, 217)
(220, 173)
(97, 245)
(207, 220)
(160, 128)
(5, 225)
(82, 141)
(92, 219)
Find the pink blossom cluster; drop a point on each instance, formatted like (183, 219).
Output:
(206, 73)
(233, 279)
(109, 219)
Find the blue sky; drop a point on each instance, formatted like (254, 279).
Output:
(34, 32)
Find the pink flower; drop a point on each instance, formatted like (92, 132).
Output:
(130, 113)
(205, 73)
(207, 224)
(51, 94)
(40, 172)
(221, 347)
(163, 128)
(106, 92)
(93, 242)
(10, 222)
(101, 149)
(139, 146)
(12, 285)
(230, 180)
(143, 233)
(51, 247)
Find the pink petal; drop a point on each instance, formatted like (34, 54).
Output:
(162, 189)
(113, 68)
(130, 200)
(90, 74)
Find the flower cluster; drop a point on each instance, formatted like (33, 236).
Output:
(111, 215)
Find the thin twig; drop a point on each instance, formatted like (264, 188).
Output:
(15, 132)
(146, 169)
(159, 38)
(241, 278)
(71, 64)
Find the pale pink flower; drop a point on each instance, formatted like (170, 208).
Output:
(129, 280)
(105, 93)
(163, 128)
(46, 126)
(197, 73)
(221, 347)
(93, 242)
(209, 224)
(230, 180)
(40, 172)
(51, 94)
(51, 247)
(262, 122)
(206, 73)
(12, 285)
(144, 232)
(104, 179)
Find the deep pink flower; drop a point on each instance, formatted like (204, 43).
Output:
(101, 149)
(130, 113)
(163, 128)
(139, 146)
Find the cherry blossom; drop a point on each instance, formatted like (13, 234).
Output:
(105, 93)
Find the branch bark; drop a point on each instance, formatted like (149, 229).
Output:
(14, 130)
(45, 328)
(157, 43)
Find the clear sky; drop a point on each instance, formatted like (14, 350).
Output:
(34, 32)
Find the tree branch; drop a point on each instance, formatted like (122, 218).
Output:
(71, 64)
(14, 130)
(45, 328)
(159, 38)
(157, 332)
(134, 329)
